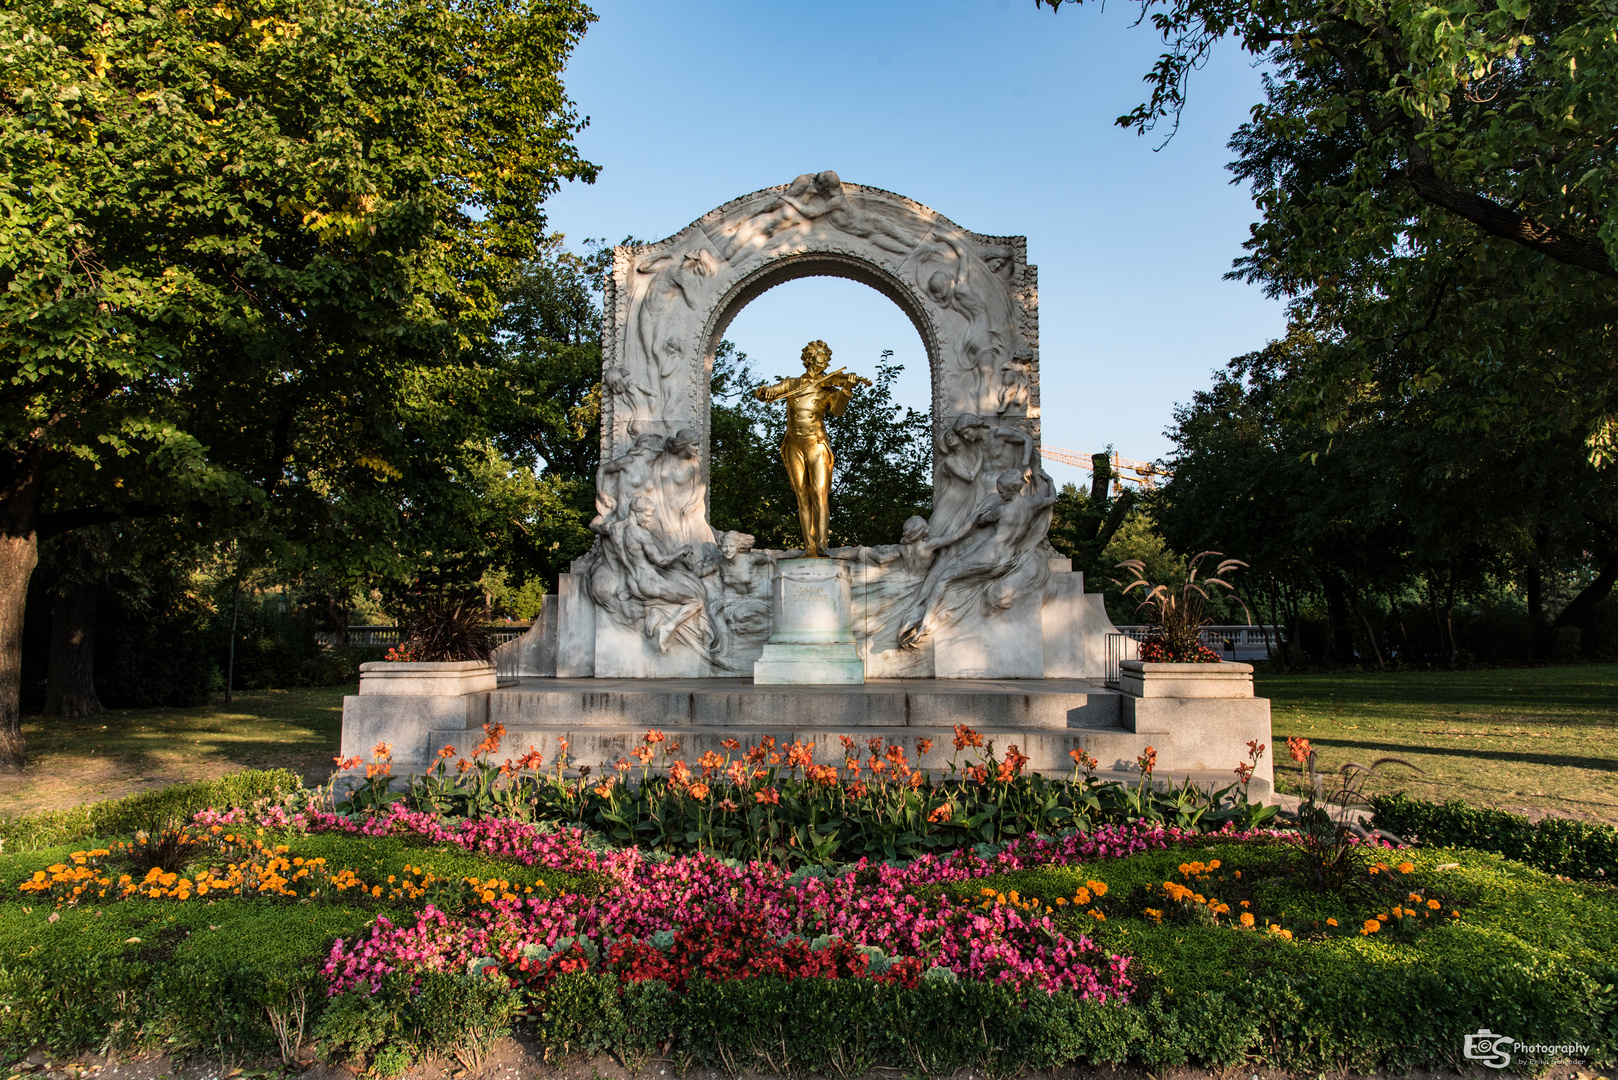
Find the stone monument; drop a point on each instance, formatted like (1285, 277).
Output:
(973, 592)
(967, 617)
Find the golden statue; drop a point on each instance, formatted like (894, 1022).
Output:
(805, 449)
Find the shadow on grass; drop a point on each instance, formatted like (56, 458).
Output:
(1394, 749)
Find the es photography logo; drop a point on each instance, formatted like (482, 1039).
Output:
(1494, 1051)
(1489, 1049)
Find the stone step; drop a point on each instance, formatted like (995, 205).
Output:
(1050, 704)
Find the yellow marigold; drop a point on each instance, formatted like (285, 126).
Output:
(1407, 868)
(1371, 926)
(1097, 887)
(1434, 904)
(1331, 922)
(1247, 918)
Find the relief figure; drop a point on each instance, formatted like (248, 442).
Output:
(993, 547)
(678, 492)
(808, 200)
(676, 279)
(647, 571)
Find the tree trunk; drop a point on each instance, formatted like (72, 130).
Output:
(70, 687)
(1359, 609)
(19, 554)
(1339, 639)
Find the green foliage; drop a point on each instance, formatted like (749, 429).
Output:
(1578, 849)
(1435, 185)
(436, 1014)
(760, 806)
(147, 810)
(1530, 955)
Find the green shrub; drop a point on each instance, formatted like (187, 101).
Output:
(428, 1015)
(148, 809)
(1576, 849)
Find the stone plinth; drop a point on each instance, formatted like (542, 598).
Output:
(1222, 680)
(444, 679)
(811, 627)
(1204, 710)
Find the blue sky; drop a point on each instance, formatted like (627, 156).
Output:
(993, 113)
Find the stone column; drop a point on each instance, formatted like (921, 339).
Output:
(811, 626)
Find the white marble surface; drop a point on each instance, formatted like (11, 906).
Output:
(966, 594)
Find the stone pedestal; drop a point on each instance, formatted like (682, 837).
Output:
(811, 626)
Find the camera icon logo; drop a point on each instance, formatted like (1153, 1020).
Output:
(1488, 1049)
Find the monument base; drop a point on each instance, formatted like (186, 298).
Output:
(824, 663)
(811, 627)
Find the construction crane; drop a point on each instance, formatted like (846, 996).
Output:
(1143, 473)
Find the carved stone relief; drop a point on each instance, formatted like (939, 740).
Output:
(670, 597)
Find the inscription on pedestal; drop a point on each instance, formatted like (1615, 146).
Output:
(812, 601)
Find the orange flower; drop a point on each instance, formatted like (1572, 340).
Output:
(729, 744)
(448, 751)
(726, 805)
(768, 795)
(924, 746)
(709, 762)
(653, 736)
(1371, 927)
(382, 749)
(942, 814)
(1247, 919)
(1147, 760)
(462, 765)
(874, 744)
(679, 772)
(1407, 868)
(642, 754)
(699, 791)
(966, 737)
(1299, 749)
(622, 765)
(848, 744)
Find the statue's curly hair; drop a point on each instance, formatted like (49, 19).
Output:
(819, 348)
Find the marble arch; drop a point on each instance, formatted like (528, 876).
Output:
(974, 299)
(974, 592)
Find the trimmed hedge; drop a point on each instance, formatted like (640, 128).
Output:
(120, 817)
(1576, 849)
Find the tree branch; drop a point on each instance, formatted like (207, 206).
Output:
(1497, 220)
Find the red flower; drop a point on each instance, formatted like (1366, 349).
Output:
(924, 746)
(1299, 749)
(768, 795)
(965, 737)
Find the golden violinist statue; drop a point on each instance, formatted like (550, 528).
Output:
(805, 448)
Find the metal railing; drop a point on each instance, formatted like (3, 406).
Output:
(1231, 642)
(390, 635)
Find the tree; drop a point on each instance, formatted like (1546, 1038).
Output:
(235, 236)
(1437, 177)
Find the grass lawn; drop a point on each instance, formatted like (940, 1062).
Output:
(1529, 740)
(125, 751)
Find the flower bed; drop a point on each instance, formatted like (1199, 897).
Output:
(393, 933)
